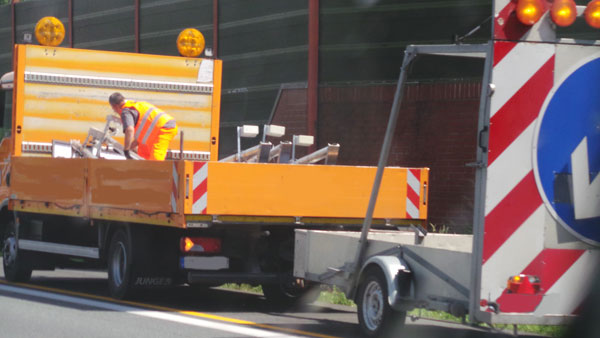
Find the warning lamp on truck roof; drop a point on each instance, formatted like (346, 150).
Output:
(563, 12)
(530, 11)
(190, 42)
(49, 31)
(592, 14)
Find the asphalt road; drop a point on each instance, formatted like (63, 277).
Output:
(67, 303)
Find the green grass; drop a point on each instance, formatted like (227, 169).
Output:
(242, 287)
(335, 296)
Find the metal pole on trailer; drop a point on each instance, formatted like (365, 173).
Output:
(409, 56)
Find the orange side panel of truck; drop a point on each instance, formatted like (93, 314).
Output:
(304, 190)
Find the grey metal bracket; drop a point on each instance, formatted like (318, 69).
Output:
(346, 269)
(329, 154)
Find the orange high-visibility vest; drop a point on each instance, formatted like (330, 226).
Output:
(150, 121)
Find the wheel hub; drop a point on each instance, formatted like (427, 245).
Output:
(9, 250)
(119, 260)
(373, 305)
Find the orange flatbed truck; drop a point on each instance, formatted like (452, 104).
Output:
(188, 219)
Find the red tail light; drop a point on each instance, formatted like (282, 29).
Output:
(200, 245)
(524, 284)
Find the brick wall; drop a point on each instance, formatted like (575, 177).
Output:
(437, 128)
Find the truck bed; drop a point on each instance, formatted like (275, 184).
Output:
(174, 193)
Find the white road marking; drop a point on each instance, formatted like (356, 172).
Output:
(236, 329)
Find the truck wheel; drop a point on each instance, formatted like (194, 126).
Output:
(119, 265)
(16, 267)
(375, 316)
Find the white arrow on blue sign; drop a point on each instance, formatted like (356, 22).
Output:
(567, 152)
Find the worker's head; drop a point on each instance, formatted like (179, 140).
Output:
(116, 100)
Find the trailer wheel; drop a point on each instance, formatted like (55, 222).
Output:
(119, 265)
(16, 267)
(375, 316)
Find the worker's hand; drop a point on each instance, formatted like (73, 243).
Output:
(128, 155)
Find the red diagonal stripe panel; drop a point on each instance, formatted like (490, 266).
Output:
(416, 172)
(200, 190)
(518, 112)
(198, 166)
(510, 214)
(549, 266)
(501, 49)
(412, 196)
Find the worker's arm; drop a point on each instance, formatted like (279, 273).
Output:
(129, 141)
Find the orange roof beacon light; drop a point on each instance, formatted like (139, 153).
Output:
(190, 42)
(530, 11)
(49, 31)
(592, 14)
(563, 12)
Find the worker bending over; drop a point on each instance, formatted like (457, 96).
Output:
(145, 126)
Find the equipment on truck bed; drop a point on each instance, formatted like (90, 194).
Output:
(97, 144)
(284, 152)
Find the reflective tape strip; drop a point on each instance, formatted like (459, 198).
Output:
(151, 128)
(36, 147)
(111, 82)
(200, 188)
(188, 155)
(174, 188)
(44, 147)
(142, 124)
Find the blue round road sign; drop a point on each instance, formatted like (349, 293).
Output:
(567, 152)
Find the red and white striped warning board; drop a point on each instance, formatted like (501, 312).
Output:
(413, 193)
(200, 188)
(520, 233)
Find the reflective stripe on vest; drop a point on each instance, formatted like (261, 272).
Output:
(143, 123)
(151, 128)
(143, 131)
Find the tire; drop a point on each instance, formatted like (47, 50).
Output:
(119, 266)
(16, 267)
(284, 296)
(375, 316)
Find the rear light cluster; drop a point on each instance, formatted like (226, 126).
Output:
(562, 12)
(523, 284)
(200, 245)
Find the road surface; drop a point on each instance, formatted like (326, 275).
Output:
(68, 303)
